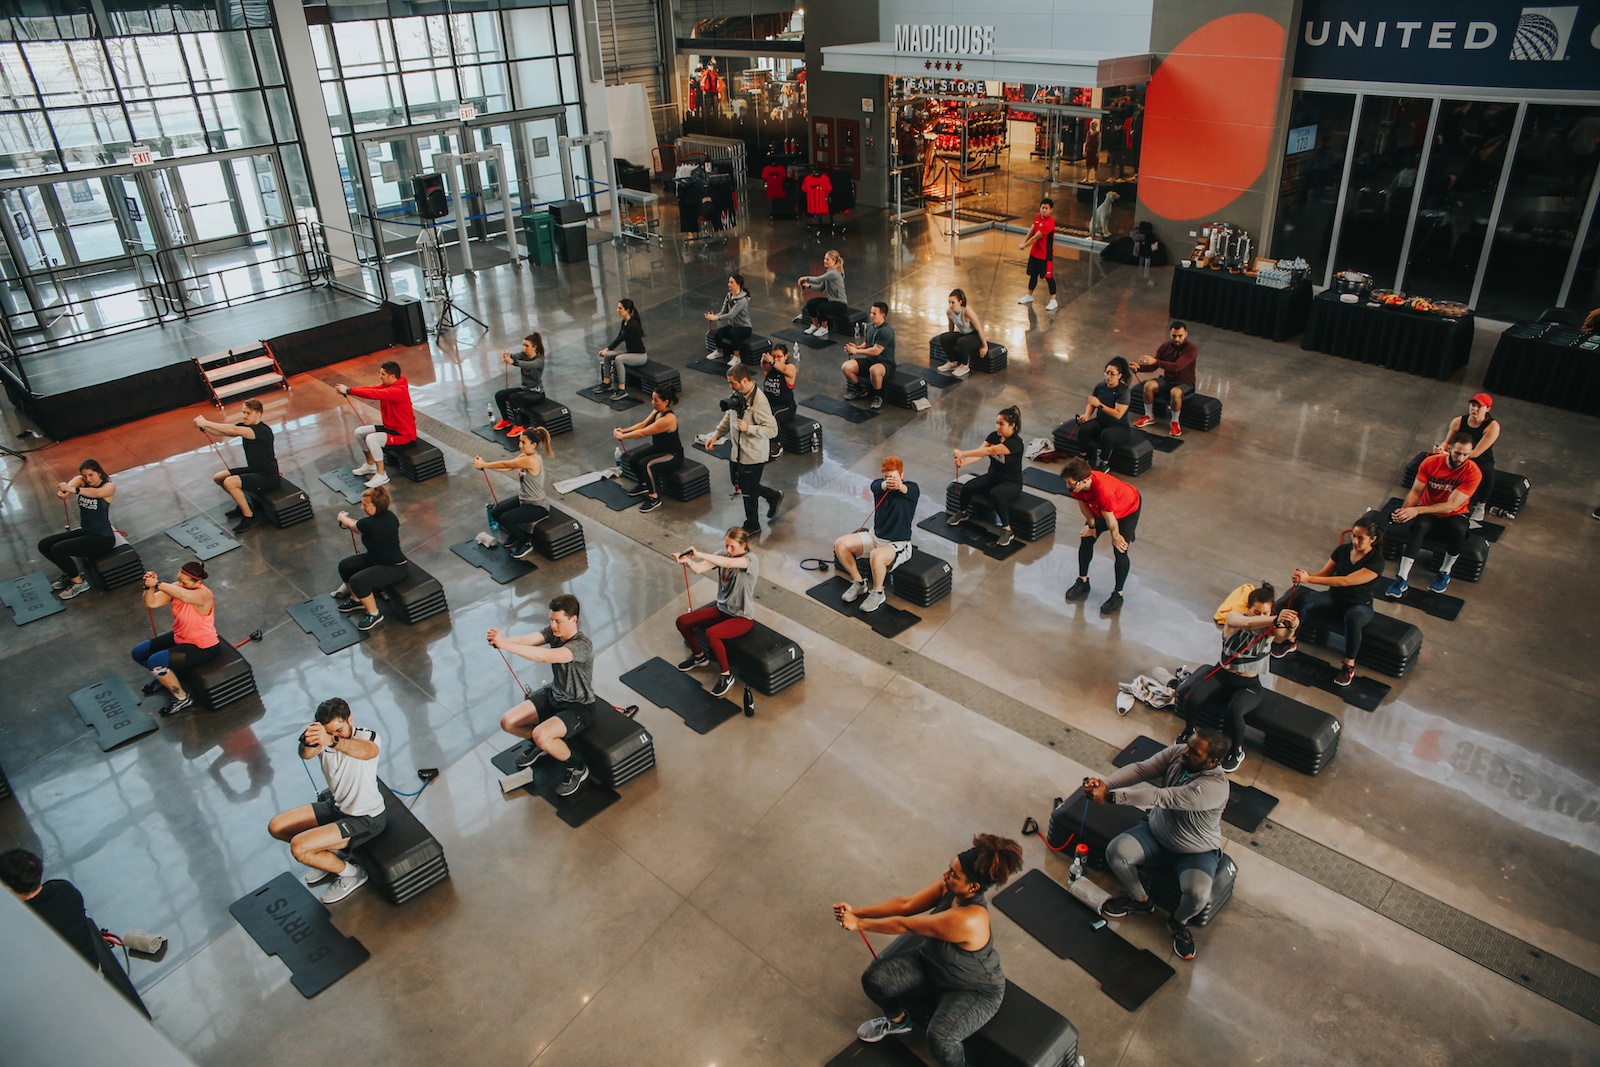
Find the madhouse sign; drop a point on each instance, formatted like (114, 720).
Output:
(949, 39)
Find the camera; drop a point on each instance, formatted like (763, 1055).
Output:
(735, 404)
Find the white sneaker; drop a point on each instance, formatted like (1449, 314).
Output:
(947, 367)
(874, 601)
(365, 468)
(344, 885)
(316, 876)
(1052, 305)
(377, 480)
(818, 331)
(1027, 299)
(962, 370)
(849, 595)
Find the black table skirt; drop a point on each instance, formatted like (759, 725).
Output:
(1236, 302)
(1416, 342)
(1537, 362)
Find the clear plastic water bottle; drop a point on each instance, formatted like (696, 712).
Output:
(493, 418)
(1080, 856)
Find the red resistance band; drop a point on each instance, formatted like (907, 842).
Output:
(1265, 632)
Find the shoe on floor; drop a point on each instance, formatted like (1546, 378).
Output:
(177, 704)
(696, 660)
(818, 331)
(1440, 583)
(246, 523)
(1006, 538)
(377, 480)
(502, 424)
(1177, 430)
(1027, 299)
(956, 518)
(367, 622)
(1188, 732)
(619, 394)
(1281, 649)
(751, 528)
(877, 402)
(364, 469)
(73, 590)
(874, 1030)
(1182, 940)
(1397, 589)
(1112, 605)
(1052, 305)
(316, 876)
(516, 432)
(59, 584)
(874, 601)
(232, 513)
(946, 367)
(639, 490)
(576, 776)
(773, 505)
(962, 371)
(523, 551)
(1078, 590)
(602, 389)
(650, 505)
(351, 606)
(852, 594)
(724, 683)
(345, 884)
(1346, 675)
(152, 687)
(1122, 904)
(1142, 421)
(530, 757)
(1233, 761)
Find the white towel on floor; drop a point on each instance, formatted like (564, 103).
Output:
(567, 485)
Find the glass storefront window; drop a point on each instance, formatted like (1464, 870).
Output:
(1585, 294)
(1383, 182)
(1319, 136)
(1469, 149)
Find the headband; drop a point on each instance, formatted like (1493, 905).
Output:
(969, 867)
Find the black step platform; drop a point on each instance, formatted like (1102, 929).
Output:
(1025, 1032)
(924, 579)
(752, 348)
(905, 387)
(220, 681)
(992, 363)
(1469, 568)
(1296, 735)
(284, 506)
(415, 597)
(404, 860)
(121, 566)
(800, 434)
(1388, 645)
(766, 660)
(1132, 453)
(845, 324)
(417, 461)
(616, 748)
(687, 481)
(557, 535)
(1032, 518)
(1199, 412)
(554, 417)
(1509, 493)
(1162, 884)
(646, 377)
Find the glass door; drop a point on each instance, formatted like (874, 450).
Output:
(540, 138)
(388, 165)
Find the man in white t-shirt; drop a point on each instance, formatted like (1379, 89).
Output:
(354, 812)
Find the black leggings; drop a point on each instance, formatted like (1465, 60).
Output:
(1095, 435)
(1241, 695)
(61, 548)
(1485, 486)
(820, 307)
(1121, 564)
(512, 514)
(516, 404)
(1319, 606)
(365, 577)
(994, 488)
(652, 463)
(164, 651)
(958, 347)
(1452, 529)
(727, 338)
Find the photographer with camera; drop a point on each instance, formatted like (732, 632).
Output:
(352, 814)
(747, 421)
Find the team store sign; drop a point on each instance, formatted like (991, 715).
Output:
(944, 40)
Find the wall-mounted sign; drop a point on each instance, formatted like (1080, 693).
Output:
(866, 105)
(468, 112)
(1302, 139)
(140, 155)
(944, 40)
(541, 147)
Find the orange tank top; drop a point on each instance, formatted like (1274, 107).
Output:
(189, 627)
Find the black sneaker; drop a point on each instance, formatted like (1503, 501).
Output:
(367, 622)
(1112, 605)
(577, 774)
(1281, 649)
(724, 683)
(234, 513)
(245, 523)
(1233, 761)
(523, 551)
(877, 402)
(1122, 904)
(956, 518)
(530, 757)
(639, 490)
(693, 662)
(177, 704)
(1182, 939)
(1006, 538)
(1078, 590)
(773, 505)
(1188, 732)
(650, 505)
(619, 394)
(351, 606)
(751, 528)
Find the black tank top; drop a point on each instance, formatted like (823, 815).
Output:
(94, 515)
(1477, 433)
(668, 441)
(780, 394)
(955, 969)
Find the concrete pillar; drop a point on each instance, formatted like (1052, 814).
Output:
(316, 134)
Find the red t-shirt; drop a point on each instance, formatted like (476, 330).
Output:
(773, 174)
(816, 188)
(1439, 481)
(1044, 247)
(1106, 493)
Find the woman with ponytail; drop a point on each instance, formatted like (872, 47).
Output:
(954, 970)
(517, 515)
(1001, 484)
(193, 638)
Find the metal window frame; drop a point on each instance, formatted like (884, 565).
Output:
(1344, 186)
(1416, 194)
(1499, 201)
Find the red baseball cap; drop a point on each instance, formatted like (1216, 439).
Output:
(1483, 400)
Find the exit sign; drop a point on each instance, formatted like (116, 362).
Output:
(140, 155)
(468, 112)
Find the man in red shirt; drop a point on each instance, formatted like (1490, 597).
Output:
(1175, 359)
(1108, 504)
(399, 423)
(1041, 246)
(1440, 499)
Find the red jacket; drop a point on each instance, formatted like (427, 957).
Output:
(394, 407)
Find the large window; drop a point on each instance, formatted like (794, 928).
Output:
(1313, 163)
(1390, 134)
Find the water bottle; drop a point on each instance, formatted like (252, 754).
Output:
(493, 417)
(1080, 856)
(749, 703)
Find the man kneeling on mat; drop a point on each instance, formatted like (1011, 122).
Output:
(953, 978)
(1182, 828)
(564, 708)
(353, 813)
(889, 543)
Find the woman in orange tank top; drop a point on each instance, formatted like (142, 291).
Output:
(191, 641)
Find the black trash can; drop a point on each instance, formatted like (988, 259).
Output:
(572, 231)
(409, 326)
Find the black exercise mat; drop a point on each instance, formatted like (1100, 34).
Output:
(887, 1053)
(615, 405)
(971, 535)
(1439, 605)
(887, 621)
(710, 366)
(723, 451)
(112, 708)
(1364, 693)
(609, 493)
(30, 597)
(350, 486)
(1065, 925)
(1248, 807)
(800, 337)
(590, 800)
(1046, 481)
(205, 538)
(502, 566)
(321, 618)
(938, 380)
(682, 694)
(1163, 443)
(1491, 531)
(1140, 748)
(842, 408)
(291, 924)
(488, 433)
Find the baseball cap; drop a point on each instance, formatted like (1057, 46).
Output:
(1483, 399)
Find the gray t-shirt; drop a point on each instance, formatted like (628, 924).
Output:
(880, 335)
(572, 683)
(736, 588)
(1185, 809)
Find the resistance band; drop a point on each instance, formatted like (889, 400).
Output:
(212, 441)
(66, 513)
(490, 484)
(1266, 631)
(1072, 836)
(864, 941)
(879, 504)
(526, 692)
(352, 404)
(686, 594)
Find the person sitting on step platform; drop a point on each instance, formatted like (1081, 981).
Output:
(1440, 498)
(873, 357)
(888, 544)
(666, 446)
(1349, 580)
(382, 564)
(732, 615)
(354, 812)
(779, 372)
(625, 350)
(832, 303)
(731, 323)
(260, 471)
(953, 977)
(748, 424)
(1175, 359)
(964, 339)
(1108, 505)
(1485, 431)
(192, 640)
(1182, 827)
(516, 404)
(1251, 625)
(1104, 422)
(563, 709)
(1001, 484)
(92, 489)
(518, 515)
(398, 420)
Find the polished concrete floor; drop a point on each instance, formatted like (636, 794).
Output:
(689, 923)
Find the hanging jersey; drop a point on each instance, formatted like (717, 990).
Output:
(816, 188)
(773, 174)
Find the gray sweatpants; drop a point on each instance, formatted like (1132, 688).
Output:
(899, 984)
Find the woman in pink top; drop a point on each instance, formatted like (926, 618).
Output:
(191, 641)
